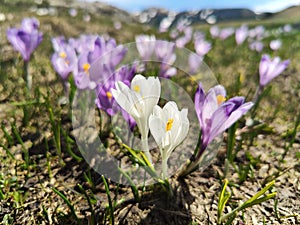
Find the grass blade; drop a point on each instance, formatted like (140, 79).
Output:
(69, 204)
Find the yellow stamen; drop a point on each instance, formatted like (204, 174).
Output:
(242, 78)
(136, 88)
(169, 124)
(63, 55)
(86, 67)
(109, 95)
(220, 99)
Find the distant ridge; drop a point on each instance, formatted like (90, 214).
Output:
(155, 16)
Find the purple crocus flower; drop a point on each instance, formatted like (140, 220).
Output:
(165, 54)
(105, 99)
(26, 38)
(241, 34)
(64, 60)
(256, 46)
(202, 47)
(82, 73)
(226, 32)
(145, 45)
(59, 43)
(270, 68)
(287, 28)
(181, 41)
(215, 114)
(165, 51)
(30, 24)
(106, 55)
(199, 35)
(214, 31)
(85, 43)
(258, 32)
(275, 44)
(194, 62)
(186, 38)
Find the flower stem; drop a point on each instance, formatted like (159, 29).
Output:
(258, 92)
(26, 76)
(164, 165)
(145, 148)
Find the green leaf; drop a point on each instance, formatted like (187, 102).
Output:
(69, 204)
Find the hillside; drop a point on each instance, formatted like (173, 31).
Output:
(292, 14)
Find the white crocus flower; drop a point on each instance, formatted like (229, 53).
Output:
(138, 101)
(169, 127)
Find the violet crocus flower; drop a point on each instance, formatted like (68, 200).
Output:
(82, 73)
(241, 34)
(258, 32)
(256, 46)
(226, 32)
(105, 99)
(165, 51)
(58, 43)
(270, 68)
(85, 43)
(199, 35)
(202, 47)
(194, 62)
(106, 55)
(25, 39)
(145, 45)
(287, 28)
(64, 60)
(215, 114)
(165, 54)
(186, 38)
(275, 44)
(214, 31)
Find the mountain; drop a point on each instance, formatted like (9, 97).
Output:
(155, 16)
(96, 7)
(291, 13)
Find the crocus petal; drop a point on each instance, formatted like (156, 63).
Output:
(270, 68)
(237, 114)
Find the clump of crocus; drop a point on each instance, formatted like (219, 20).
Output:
(25, 40)
(215, 114)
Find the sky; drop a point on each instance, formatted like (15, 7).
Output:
(181, 5)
